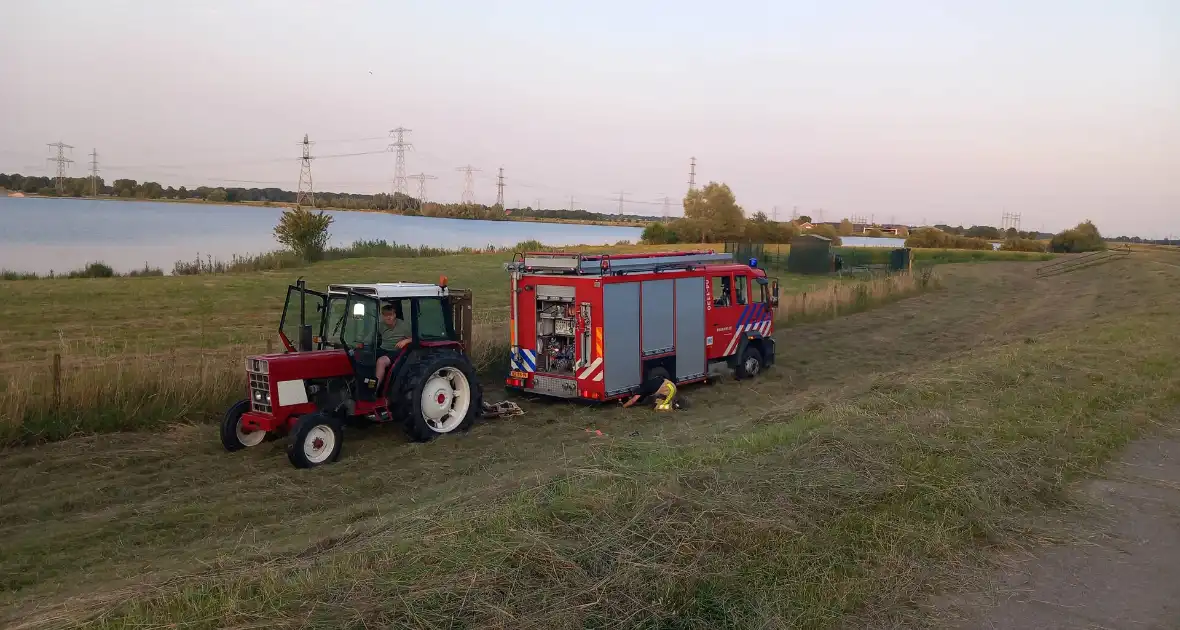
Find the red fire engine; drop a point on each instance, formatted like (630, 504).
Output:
(595, 327)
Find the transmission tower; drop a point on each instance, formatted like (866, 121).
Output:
(305, 188)
(774, 214)
(94, 172)
(422, 177)
(468, 183)
(500, 188)
(692, 174)
(399, 167)
(62, 162)
(667, 206)
(571, 203)
(1010, 220)
(538, 203)
(621, 193)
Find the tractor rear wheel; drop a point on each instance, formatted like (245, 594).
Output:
(316, 439)
(233, 438)
(440, 395)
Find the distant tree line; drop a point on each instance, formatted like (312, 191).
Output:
(395, 203)
(712, 215)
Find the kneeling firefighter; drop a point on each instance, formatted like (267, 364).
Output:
(658, 392)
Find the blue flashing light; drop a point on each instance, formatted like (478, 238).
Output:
(753, 262)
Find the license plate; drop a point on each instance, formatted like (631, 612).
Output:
(519, 374)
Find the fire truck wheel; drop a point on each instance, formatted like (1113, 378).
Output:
(441, 395)
(233, 438)
(750, 364)
(316, 439)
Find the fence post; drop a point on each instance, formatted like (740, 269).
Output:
(56, 380)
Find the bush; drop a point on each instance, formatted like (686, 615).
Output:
(826, 230)
(1022, 245)
(934, 238)
(304, 232)
(93, 270)
(1082, 238)
(658, 234)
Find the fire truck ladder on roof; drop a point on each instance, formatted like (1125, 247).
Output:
(558, 263)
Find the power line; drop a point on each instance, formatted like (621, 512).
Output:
(399, 168)
(62, 161)
(305, 188)
(468, 183)
(500, 189)
(422, 177)
(94, 172)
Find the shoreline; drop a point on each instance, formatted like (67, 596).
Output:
(284, 204)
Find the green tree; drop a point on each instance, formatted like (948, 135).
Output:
(217, 195)
(182, 193)
(803, 218)
(845, 228)
(826, 230)
(304, 232)
(715, 210)
(1082, 238)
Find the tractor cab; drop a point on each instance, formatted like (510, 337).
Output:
(383, 352)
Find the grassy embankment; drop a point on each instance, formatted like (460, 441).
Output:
(844, 486)
(145, 352)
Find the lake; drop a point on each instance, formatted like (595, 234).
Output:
(41, 235)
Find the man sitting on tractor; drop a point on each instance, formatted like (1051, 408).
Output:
(395, 335)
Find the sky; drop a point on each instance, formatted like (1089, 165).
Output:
(918, 112)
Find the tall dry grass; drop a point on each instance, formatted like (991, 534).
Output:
(842, 298)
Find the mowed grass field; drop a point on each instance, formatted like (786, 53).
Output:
(883, 460)
(151, 351)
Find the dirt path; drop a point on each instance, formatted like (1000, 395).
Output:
(1124, 573)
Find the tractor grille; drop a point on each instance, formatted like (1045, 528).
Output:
(257, 372)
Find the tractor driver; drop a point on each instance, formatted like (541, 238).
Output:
(395, 334)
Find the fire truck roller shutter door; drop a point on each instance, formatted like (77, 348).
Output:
(620, 323)
(690, 328)
(658, 317)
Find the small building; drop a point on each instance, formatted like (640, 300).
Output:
(810, 253)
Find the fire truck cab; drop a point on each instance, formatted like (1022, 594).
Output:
(595, 327)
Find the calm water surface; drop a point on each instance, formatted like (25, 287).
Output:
(61, 234)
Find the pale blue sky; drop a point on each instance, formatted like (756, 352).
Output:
(948, 112)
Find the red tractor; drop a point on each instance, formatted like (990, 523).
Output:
(328, 374)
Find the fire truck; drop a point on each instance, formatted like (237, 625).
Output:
(595, 327)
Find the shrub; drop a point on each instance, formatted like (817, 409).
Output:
(934, 238)
(304, 232)
(1022, 245)
(658, 234)
(827, 231)
(1082, 238)
(93, 270)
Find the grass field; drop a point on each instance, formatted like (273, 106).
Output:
(882, 461)
(152, 351)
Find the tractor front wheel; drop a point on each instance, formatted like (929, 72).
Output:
(441, 396)
(233, 438)
(316, 439)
